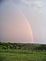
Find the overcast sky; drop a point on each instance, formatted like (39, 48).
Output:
(23, 21)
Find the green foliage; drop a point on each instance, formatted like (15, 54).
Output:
(22, 55)
(22, 52)
(23, 46)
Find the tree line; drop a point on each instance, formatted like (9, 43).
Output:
(25, 46)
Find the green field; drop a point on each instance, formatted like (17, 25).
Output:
(22, 55)
(22, 52)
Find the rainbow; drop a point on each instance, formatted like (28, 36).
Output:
(29, 26)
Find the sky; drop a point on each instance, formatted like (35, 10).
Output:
(23, 21)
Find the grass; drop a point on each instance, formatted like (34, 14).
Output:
(22, 55)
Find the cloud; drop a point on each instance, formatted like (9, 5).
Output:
(35, 3)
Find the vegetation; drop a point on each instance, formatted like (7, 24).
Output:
(22, 52)
(23, 46)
